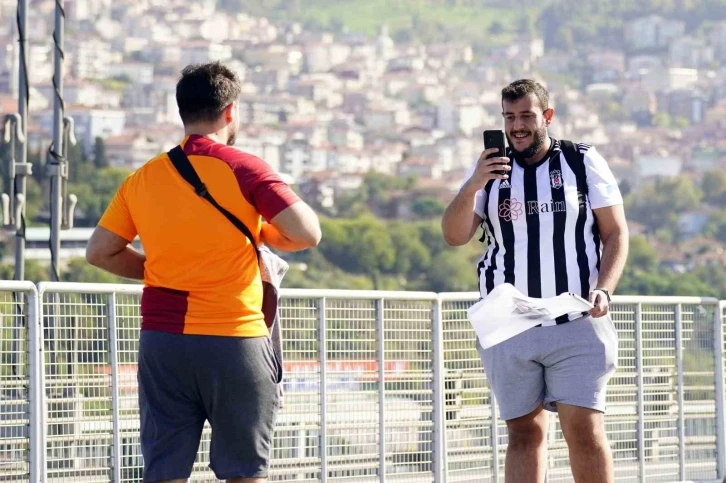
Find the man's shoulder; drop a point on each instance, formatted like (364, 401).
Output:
(231, 155)
(580, 147)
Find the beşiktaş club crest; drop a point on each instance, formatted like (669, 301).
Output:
(556, 178)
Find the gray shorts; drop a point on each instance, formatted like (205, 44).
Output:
(569, 363)
(187, 379)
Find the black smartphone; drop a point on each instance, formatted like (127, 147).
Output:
(495, 139)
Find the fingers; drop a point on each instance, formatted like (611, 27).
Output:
(494, 167)
(600, 302)
(487, 152)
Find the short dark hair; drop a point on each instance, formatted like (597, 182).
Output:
(524, 87)
(205, 90)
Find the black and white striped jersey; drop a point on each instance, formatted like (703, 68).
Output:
(539, 226)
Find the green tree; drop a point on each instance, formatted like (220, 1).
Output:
(658, 204)
(428, 208)
(451, 272)
(99, 154)
(95, 194)
(78, 270)
(412, 257)
(716, 226)
(642, 255)
(714, 187)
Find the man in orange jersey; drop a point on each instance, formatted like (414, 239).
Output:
(204, 349)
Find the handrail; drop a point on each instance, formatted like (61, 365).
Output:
(17, 286)
(617, 299)
(135, 289)
(108, 288)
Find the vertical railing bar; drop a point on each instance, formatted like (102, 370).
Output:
(380, 307)
(115, 409)
(322, 349)
(680, 378)
(640, 391)
(495, 437)
(720, 401)
(35, 386)
(440, 460)
(43, 400)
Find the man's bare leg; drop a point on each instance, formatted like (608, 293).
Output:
(526, 454)
(590, 456)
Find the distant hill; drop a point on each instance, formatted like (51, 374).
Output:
(486, 22)
(565, 24)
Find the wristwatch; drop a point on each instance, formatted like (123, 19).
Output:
(605, 291)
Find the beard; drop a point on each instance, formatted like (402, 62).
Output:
(540, 136)
(232, 138)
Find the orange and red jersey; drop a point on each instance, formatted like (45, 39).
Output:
(201, 275)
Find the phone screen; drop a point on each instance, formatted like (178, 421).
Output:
(494, 139)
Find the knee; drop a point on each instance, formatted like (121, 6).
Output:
(528, 436)
(586, 439)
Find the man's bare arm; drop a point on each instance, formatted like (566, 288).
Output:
(296, 227)
(615, 239)
(272, 237)
(112, 253)
(460, 221)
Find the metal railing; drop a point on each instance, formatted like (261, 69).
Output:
(20, 356)
(379, 386)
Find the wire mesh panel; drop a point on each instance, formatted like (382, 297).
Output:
(352, 409)
(468, 407)
(660, 439)
(14, 388)
(699, 392)
(408, 390)
(78, 401)
(296, 449)
(621, 420)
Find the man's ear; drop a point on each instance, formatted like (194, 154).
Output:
(229, 112)
(549, 114)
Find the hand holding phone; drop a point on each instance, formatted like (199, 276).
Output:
(495, 139)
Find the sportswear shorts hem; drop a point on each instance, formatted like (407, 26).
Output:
(508, 416)
(552, 405)
(155, 477)
(252, 470)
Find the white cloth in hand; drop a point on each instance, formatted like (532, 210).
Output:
(507, 312)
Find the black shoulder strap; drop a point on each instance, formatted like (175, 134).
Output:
(576, 160)
(186, 170)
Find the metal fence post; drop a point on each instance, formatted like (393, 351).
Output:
(381, 391)
(439, 388)
(322, 348)
(495, 437)
(718, 349)
(42, 400)
(115, 412)
(681, 409)
(639, 391)
(35, 396)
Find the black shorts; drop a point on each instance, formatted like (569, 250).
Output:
(186, 379)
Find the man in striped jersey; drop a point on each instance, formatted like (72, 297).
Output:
(554, 223)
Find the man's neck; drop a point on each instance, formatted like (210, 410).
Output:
(540, 155)
(216, 135)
